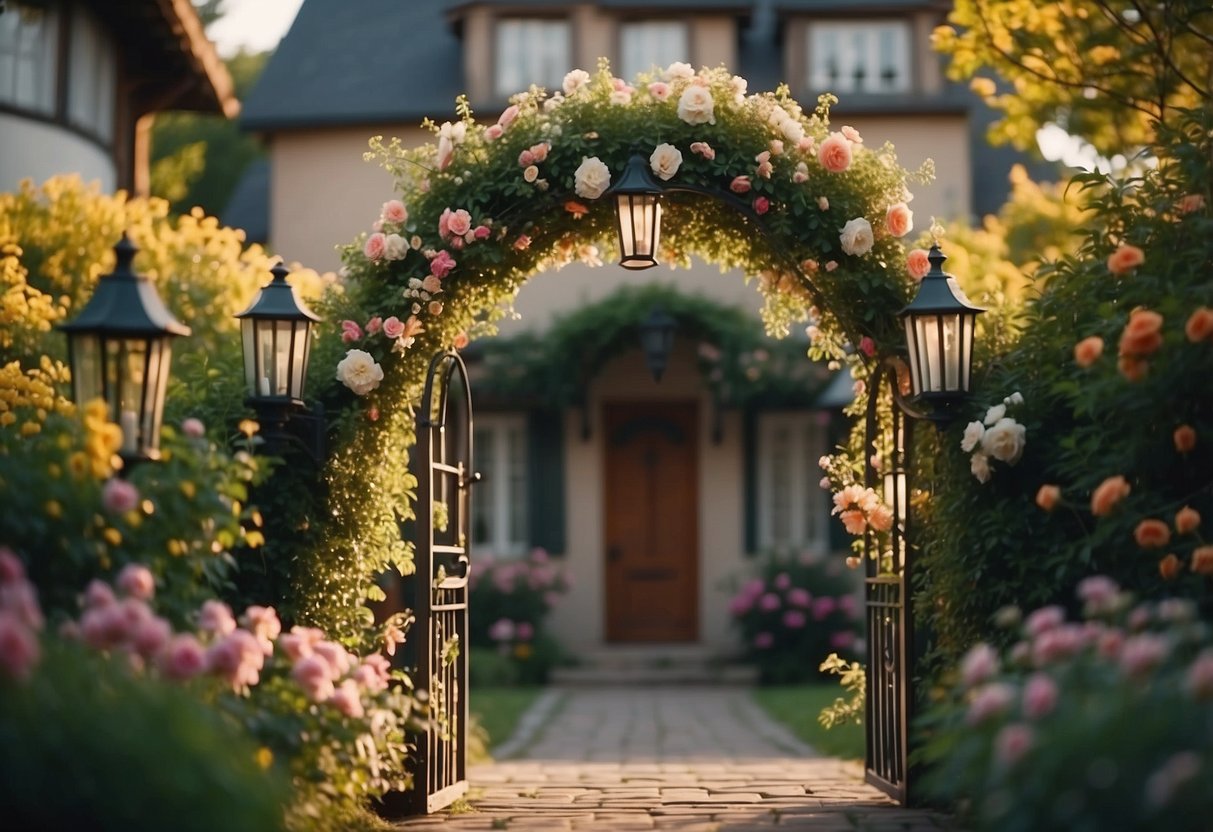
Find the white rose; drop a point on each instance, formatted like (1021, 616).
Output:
(792, 129)
(1014, 398)
(696, 106)
(531, 173)
(995, 413)
(678, 71)
(552, 103)
(574, 81)
(359, 372)
(856, 237)
(979, 465)
(973, 433)
(739, 86)
(1005, 440)
(592, 178)
(395, 247)
(665, 161)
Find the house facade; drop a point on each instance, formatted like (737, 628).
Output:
(653, 494)
(79, 82)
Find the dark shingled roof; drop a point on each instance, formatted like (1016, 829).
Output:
(248, 208)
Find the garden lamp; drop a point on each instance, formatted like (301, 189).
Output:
(638, 210)
(119, 349)
(657, 339)
(939, 333)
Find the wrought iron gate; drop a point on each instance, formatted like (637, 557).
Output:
(439, 588)
(887, 588)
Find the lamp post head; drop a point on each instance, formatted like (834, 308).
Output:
(657, 340)
(276, 337)
(638, 212)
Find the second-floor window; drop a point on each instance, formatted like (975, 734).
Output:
(859, 56)
(531, 51)
(29, 50)
(647, 44)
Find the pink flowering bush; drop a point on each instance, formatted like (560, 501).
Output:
(1100, 723)
(510, 600)
(795, 612)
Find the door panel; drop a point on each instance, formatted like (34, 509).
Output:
(652, 521)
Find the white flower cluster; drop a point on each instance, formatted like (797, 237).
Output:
(998, 436)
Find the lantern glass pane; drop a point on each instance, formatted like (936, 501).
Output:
(264, 361)
(929, 336)
(966, 343)
(159, 352)
(639, 229)
(248, 337)
(951, 352)
(912, 343)
(87, 375)
(280, 370)
(125, 368)
(299, 357)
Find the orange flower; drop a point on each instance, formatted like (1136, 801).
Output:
(1199, 325)
(1125, 258)
(1142, 335)
(854, 521)
(575, 208)
(1048, 496)
(1187, 520)
(1169, 567)
(1190, 202)
(1133, 369)
(1088, 350)
(1110, 492)
(1202, 560)
(1152, 534)
(1185, 438)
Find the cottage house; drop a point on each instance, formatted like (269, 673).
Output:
(80, 81)
(652, 493)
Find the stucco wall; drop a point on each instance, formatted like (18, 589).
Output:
(38, 151)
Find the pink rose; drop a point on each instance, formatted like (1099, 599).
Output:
(823, 607)
(843, 640)
(19, 649)
(899, 219)
(794, 619)
(312, 674)
(347, 699)
(990, 700)
(376, 245)
(493, 132)
(740, 185)
(539, 152)
(350, 332)
(183, 658)
(119, 496)
(799, 597)
(393, 328)
(764, 164)
(104, 627)
(374, 325)
(11, 567)
(21, 599)
(761, 205)
(459, 223)
(1142, 653)
(216, 617)
(1012, 743)
(265, 626)
(193, 428)
(660, 91)
(442, 264)
(703, 149)
(136, 581)
(776, 147)
(443, 223)
(1039, 696)
(481, 232)
(373, 673)
(917, 263)
(237, 658)
(806, 145)
(835, 153)
(1125, 259)
(394, 212)
(98, 594)
(1044, 619)
(335, 655)
(526, 158)
(522, 243)
(150, 636)
(507, 116)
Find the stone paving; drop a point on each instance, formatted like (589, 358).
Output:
(679, 758)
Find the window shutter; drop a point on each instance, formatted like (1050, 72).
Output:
(545, 479)
(749, 432)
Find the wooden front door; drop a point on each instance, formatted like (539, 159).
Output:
(652, 521)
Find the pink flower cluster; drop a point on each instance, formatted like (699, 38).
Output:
(860, 509)
(457, 229)
(791, 607)
(20, 619)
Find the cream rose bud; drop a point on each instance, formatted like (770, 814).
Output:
(665, 161)
(973, 433)
(1014, 398)
(1005, 440)
(395, 247)
(856, 237)
(531, 173)
(574, 81)
(679, 71)
(359, 372)
(995, 413)
(696, 106)
(592, 178)
(979, 466)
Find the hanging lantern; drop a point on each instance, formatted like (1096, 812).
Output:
(119, 348)
(657, 340)
(638, 211)
(276, 334)
(939, 333)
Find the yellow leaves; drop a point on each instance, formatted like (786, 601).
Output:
(983, 87)
(265, 757)
(112, 536)
(53, 509)
(254, 539)
(248, 427)
(188, 489)
(177, 548)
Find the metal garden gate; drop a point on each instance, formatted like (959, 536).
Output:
(438, 590)
(887, 592)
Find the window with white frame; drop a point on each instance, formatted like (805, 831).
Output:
(793, 509)
(531, 50)
(499, 501)
(92, 77)
(644, 45)
(860, 56)
(29, 50)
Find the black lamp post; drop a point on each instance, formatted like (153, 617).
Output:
(276, 338)
(657, 339)
(120, 348)
(638, 211)
(939, 333)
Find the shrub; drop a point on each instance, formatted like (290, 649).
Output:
(794, 613)
(1103, 724)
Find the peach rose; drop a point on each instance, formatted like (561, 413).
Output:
(1190, 203)
(461, 340)
(493, 132)
(507, 116)
(1125, 259)
(1199, 325)
(1088, 350)
(1202, 560)
(899, 219)
(394, 212)
(1184, 438)
(1110, 492)
(1169, 567)
(1142, 335)
(1131, 368)
(659, 90)
(917, 263)
(1048, 496)
(835, 153)
(1152, 534)
(740, 185)
(1187, 520)
(459, 223)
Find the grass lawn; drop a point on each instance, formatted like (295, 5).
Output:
(797, 707)
(497, 710)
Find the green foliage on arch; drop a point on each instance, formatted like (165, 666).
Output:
(489, 205)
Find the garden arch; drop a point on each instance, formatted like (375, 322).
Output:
(813, 214)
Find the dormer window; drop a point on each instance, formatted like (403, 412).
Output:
(644, 45)
(531, 50)
(859, 56)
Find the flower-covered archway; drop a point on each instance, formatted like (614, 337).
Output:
(486, 206)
